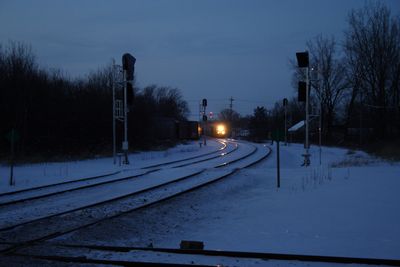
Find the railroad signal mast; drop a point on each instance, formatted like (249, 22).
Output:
(120, 107)
(204, 119)
(304, 95)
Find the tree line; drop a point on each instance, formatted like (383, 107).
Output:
(54, 115)
(355, 82)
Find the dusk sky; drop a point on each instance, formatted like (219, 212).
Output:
(210, 49)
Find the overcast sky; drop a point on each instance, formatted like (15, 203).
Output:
(210, 49)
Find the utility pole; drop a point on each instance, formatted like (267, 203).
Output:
(230, 114)
(231, 109)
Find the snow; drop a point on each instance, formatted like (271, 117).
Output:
(32, 175)
(124, 183)
(296, 126)
(351, 211)
(347, 206)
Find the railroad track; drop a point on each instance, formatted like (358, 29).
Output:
(50, 202)
(128, 256)
(67, 186)
(153, 186)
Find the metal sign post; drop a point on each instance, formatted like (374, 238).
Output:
(204, 103)
(277, 136)
(285, 104)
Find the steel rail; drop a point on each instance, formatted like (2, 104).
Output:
(102, 202)
(190, 158)
(96, 221)
(111, 173)
(203, 160)
(251, 255)
(83, 260)
(238, 159)
(11, 202)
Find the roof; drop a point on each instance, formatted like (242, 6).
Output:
(296, 127)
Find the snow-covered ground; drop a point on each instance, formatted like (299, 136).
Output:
(31, 175)
(349, 210)
(348, 206)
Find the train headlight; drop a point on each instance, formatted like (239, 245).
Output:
(221, 129)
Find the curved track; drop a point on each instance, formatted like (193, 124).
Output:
(68, 186)
(46, 217)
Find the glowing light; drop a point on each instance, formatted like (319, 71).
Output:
(221, 129)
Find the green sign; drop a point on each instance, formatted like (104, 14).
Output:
(12, 136)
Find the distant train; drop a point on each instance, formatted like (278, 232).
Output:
(217, 129)
(193, 129)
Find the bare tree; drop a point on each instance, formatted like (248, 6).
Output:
(54, 115)
(171, 103)
(18, 71)
(328, 78)
(372, 52)
(330, 84)
(229, 115)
